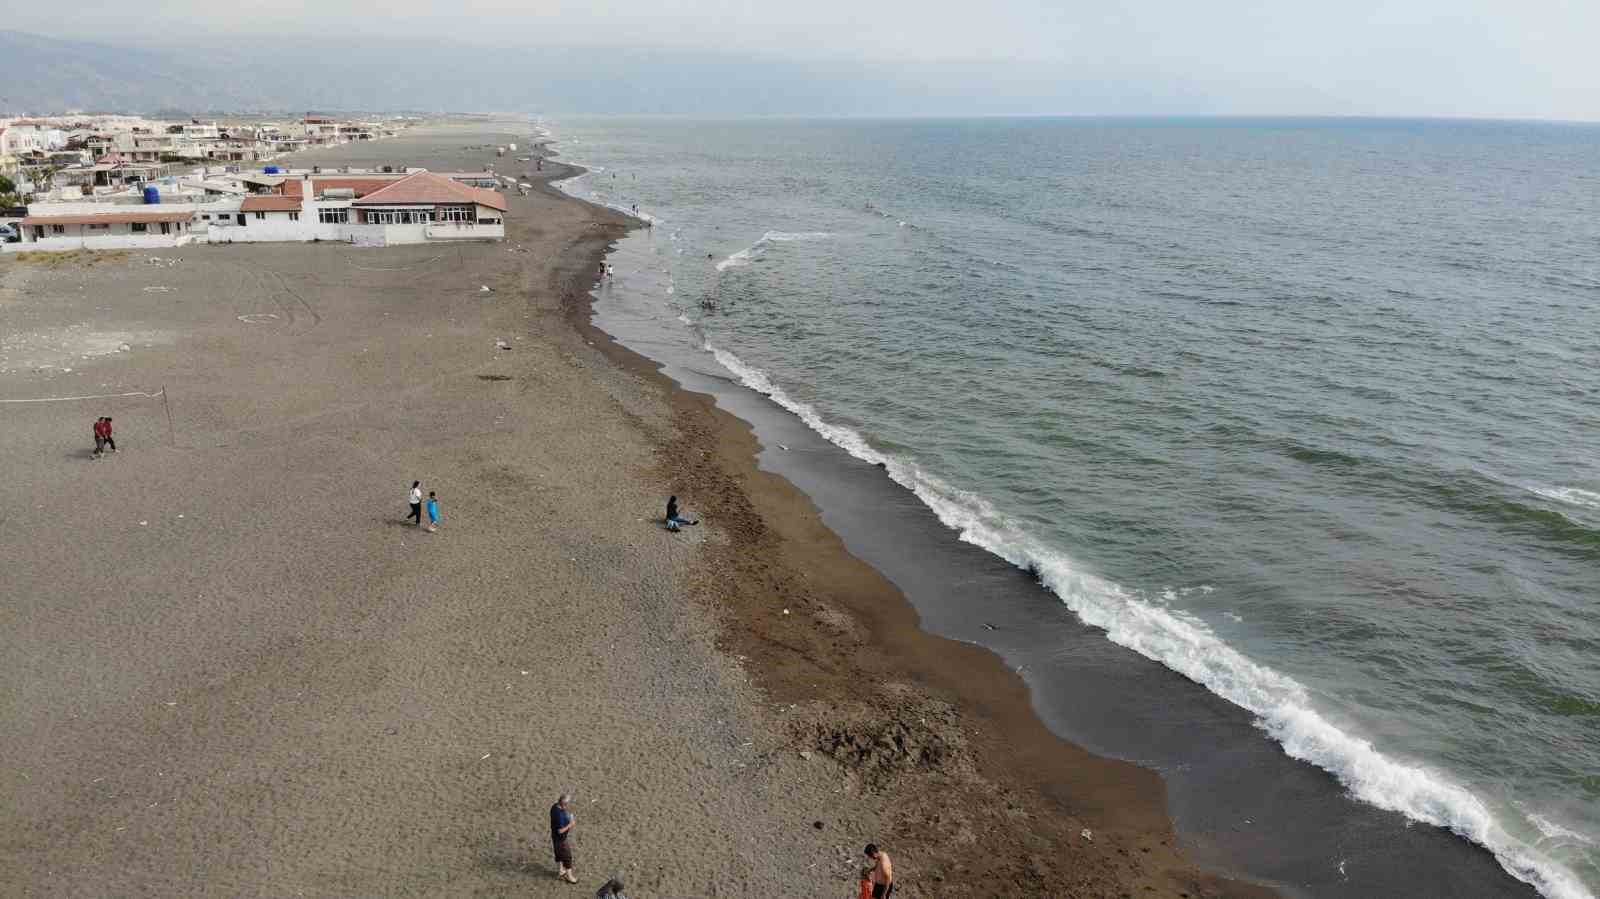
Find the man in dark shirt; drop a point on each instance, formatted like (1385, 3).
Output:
(561, 837)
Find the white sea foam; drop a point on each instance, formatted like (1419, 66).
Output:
(1180, 641)
(756, 250)
(1553, 831)
(1575, 496)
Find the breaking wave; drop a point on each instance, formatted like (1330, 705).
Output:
(756, 250)
(1575, 496)
(1282, 705)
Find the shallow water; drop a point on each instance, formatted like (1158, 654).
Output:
(1302, 410)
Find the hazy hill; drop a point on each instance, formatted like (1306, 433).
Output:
(275, 73)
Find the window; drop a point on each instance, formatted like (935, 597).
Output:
(58, 229)
(333, 216)
(261, 216)
(294, 216)
(399, 216)
(140, 227)
(457, 214)
(206, 216)
(98, 227)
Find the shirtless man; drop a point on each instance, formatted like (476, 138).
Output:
(882, 872)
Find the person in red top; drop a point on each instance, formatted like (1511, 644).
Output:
(102, 436)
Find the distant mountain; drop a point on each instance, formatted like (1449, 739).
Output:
(211, 73)
(45, 75)
(278, 74)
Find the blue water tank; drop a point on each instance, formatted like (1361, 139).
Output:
(270, 170)
(152, 194)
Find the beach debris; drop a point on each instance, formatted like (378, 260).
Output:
(485, 755)
(156, 289)
(989, 627)
(485, 289)
(817, 824)
(782, 447)
(502, 344)
(143, 523)
(124, 348)
(805, 754)
(1087, 834)
(785, 611)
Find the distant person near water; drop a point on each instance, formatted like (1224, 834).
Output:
(433, 512)
(415, 498)
(674, 520)
(561, 837)
(102, 436)
(882, 874)
(611, 889)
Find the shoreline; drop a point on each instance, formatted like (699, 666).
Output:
(827, 622)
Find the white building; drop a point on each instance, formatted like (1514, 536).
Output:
(103, 226)
(370, 210)
(367, 209)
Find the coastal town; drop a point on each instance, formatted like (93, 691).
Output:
(125, 182)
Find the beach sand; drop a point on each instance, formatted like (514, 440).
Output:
(232, 668)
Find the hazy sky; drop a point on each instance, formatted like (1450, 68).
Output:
(1519, 58)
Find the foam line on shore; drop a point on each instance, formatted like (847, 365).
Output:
(1282, 706)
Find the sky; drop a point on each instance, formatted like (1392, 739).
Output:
(1487, 58)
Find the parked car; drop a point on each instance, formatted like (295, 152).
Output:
(9, 234)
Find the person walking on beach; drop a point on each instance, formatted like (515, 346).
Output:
(415, 499)
(882, 871)
(673, 519)
(611, 889)
(433, 512)
(561, 837)
(102, 436)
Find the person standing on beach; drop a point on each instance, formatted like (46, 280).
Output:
(102, 435)
(433, 512)
(882, 871)
(673, 519)
(415, 499)
(561, 837)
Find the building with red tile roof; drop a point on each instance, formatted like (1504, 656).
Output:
(428, 189)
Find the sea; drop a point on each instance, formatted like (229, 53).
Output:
(1266, 449)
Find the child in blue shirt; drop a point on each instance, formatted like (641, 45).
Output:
(433, 512)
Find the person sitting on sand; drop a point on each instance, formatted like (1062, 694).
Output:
(612, 889)
(882, 871)
(673, 519)
(561, 837)
(866, 884)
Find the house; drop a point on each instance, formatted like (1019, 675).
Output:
(369, 209)
(102, 226)
(362, 208)
(427, 198)
(110, 172)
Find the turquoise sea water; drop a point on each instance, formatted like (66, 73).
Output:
(1301, 409)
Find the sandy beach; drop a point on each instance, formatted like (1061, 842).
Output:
(232, 669)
